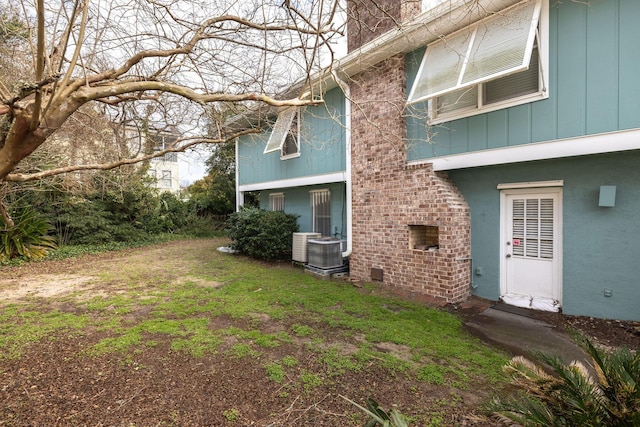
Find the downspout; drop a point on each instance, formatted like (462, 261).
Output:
(347, 124)
(239, 194)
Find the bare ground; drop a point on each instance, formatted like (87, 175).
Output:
(54, 383)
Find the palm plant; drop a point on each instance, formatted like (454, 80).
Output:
(572, 396)
(28, 237)
(380, 417)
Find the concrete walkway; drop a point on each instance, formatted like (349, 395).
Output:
(514, 330)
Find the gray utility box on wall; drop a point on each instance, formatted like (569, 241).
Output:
(325, 253)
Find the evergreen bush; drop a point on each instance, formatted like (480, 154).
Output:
(262, 234)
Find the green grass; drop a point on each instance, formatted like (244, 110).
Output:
(275, 372)
(255, 298)
(21, 326)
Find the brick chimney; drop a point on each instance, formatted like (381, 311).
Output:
(411, 225)
(367, 19)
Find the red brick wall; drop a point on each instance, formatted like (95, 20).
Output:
(389, 196)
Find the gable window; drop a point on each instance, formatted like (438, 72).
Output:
(276, 202)
(495, 63)
(321, 211)
(285, 136)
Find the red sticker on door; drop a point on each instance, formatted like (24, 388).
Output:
(516, 242)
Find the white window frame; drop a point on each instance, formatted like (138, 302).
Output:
(538, 37)
(276, 202)
(287, 125)
(318, 197)
(166, 178)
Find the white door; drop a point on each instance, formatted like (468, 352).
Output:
(531, 248)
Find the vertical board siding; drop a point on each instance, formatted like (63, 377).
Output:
(594, 58)
(322, 146)
(602, 51)
(571, 89)
(629, 89)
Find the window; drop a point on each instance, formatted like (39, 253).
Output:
(276, 202)
(321, 211)
(495, 63)
(285, 135)
(165, 179)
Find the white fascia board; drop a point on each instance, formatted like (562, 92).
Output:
(296, 182)
(580, 146)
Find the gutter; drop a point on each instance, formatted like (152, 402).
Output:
(348, 181)
(444, 19)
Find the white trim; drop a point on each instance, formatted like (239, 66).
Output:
(610, 142)
(450, 116)
(239, 194)
(531, 184)
(291, 156)
(296, 182)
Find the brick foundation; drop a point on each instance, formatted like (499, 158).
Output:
(394, 203)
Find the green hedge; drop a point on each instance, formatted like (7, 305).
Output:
(262, 234)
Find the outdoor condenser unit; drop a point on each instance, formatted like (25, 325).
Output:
(325, 253)
(299, 245)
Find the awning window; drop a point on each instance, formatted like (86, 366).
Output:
(280, 130)
(489, 49)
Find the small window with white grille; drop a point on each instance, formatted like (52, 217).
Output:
(321, 211)
(276, 202)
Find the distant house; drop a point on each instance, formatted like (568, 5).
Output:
(164, 170)
(487, 148)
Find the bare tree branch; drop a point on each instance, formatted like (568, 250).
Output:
(151, 61)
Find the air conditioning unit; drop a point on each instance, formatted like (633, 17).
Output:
(325, 253)
(299, 245)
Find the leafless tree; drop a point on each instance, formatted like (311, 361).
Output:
(168, 60)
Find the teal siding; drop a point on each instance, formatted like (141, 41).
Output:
(297, 201)
(593, 86)
(599, 244)
(629, 90)
(322, 148)
(569, 37)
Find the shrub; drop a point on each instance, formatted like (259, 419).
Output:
(262, 234)
(28, 237)
(572, 397)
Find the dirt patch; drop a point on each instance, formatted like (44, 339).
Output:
(43, 285)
